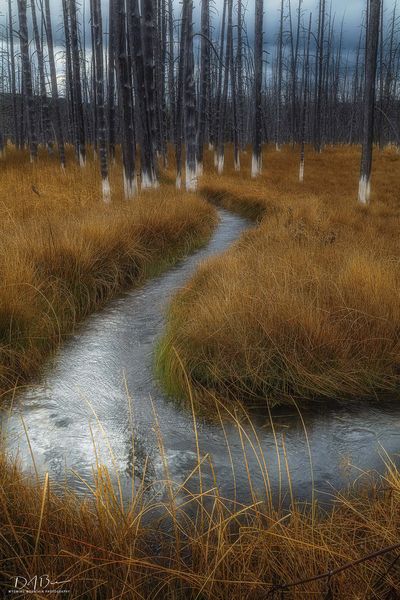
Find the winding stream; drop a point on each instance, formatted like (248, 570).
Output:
(80, 413)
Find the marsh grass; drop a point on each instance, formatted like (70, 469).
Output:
(307, 303)
(63, 253)
(195, 543)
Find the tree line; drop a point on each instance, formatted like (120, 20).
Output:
(148, 74)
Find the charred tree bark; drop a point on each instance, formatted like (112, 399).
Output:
(319, 77)
(42, 82)
(190, 104)
(364, 190)
(54, 85)
(27, 75)
(204, 81)
(113, 11)
(224, 95)
(256, 163)
(239, 74)
(125, 97)
(149, 177)
(304, 109)
(149, 65)
(279, 83)
(80, 139)
(100, 105)
(179, 97)
(17, 140)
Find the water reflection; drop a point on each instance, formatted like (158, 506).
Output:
(96, 404)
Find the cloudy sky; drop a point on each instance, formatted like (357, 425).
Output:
(351, 10)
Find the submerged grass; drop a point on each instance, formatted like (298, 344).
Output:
(63, 253)
(307, 303)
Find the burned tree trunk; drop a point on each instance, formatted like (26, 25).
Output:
(149, 66)
(319, 77)
(101, 113)
(149, 177)
(27, 75)
(239, 72)
(179, 97)
(111, 78)
(364, 190)
(54, 85)
(190, 104)
(256, 163)
(171, 74)
(42, 82)
(305, 98)
(80, 140)
(17, 140)
(204, 81)
(279, 83)
(125, 96)
(224, 95)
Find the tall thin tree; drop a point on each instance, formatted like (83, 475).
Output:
(256, 163)
(364, 190)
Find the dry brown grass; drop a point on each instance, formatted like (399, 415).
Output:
(63, 252)
(306, 304)
(147, 550)
(69, 254)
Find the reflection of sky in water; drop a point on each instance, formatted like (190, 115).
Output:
(80, 414)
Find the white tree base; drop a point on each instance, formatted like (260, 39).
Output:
(105, 185)
(255, 165)
(130, 187)
(301, 172)
(364, 190)
(191, 179)
(149, 182)
(220, 164)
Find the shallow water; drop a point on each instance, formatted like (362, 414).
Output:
(79, 414)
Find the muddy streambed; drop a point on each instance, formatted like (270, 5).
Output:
(79, 414)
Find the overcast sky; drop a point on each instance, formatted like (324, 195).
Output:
(351, 10)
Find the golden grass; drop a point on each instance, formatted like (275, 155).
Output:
(63, 253)
(69, 253)
(195, 546)
(306, 304)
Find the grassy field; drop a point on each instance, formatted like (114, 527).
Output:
(305, 305)
(145, 550)
(63, 254)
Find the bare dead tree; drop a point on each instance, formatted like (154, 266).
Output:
(147, 162)
(16, 136)
(125, 100)
(204, 81)
(306, 76)
(80, 138)
(256, 164)
(42, 82)
(97, 25)
(54, 84)
(27, 74)
(190, 104)
(364, 191)
(111, 78)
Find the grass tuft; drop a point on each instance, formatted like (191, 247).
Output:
(306, 304)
